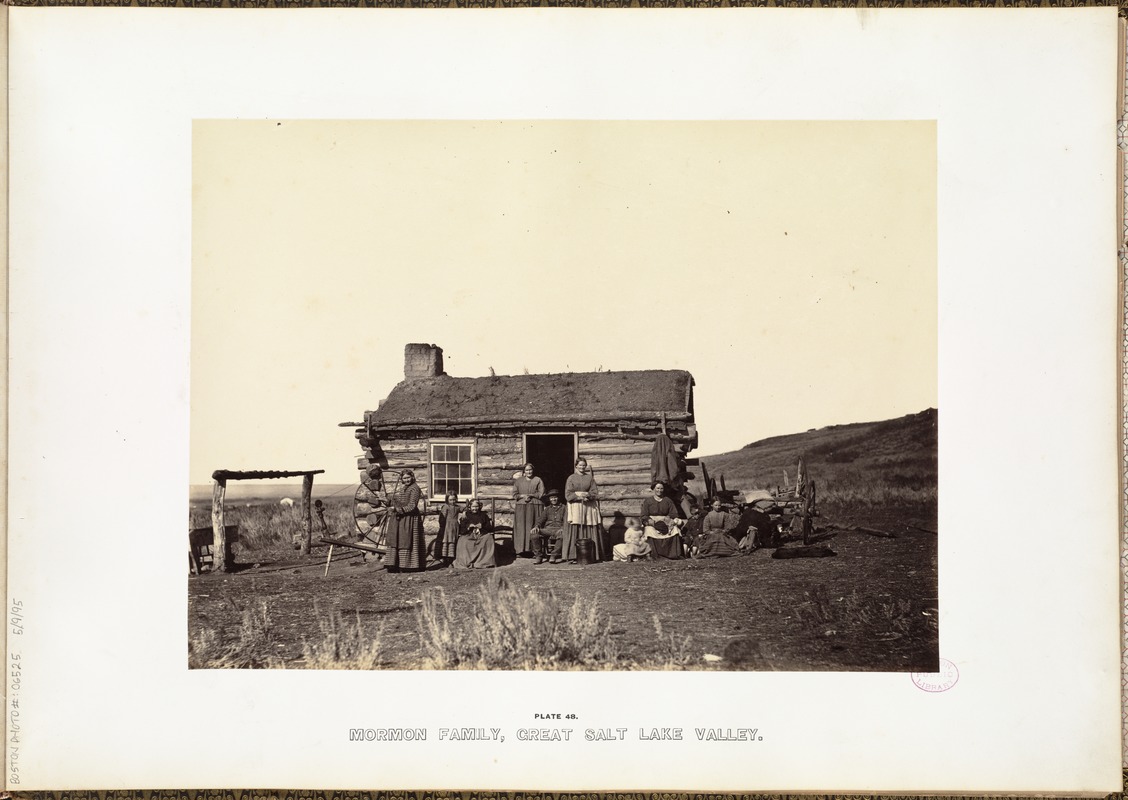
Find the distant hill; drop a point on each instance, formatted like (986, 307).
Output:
(893, 460)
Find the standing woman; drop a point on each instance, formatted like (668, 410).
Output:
(527, 493)
(584, 521)
(407, 550)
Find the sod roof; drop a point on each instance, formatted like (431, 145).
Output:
(566, 396)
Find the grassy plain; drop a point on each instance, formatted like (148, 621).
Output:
(872, 606)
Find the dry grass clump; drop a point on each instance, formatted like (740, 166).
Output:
(674, 651)
(879, 617)
(507, 627)
(343, 645)
(251, 649)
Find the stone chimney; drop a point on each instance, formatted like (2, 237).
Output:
(422, 361)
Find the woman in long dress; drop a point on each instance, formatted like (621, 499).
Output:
(475, 541)
(527, 493)
(714, 541)
(584, 521)
(407, 549)
(447, 541)
(660, 520)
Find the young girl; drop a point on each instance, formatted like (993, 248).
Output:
(634, 544)
(447, 540)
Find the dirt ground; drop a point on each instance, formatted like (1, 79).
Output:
(872, 606)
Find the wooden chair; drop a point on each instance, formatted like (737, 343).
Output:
(201, 546)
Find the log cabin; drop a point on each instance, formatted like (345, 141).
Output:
(473, 435)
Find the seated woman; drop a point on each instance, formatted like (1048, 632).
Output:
(475, 549)
(714, 541)
(660, 519)
(634, 543)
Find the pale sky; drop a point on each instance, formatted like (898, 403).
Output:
(790, 266)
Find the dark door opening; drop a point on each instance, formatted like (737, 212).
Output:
(554, 456)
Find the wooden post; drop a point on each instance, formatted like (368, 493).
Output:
(307, 490)
(219, 539)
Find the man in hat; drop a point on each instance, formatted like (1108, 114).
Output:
(548, 533)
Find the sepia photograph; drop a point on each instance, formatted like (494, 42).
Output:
(553, 398)
(564, 395)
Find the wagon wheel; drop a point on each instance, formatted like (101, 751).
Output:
(809, 513)
(372, 524)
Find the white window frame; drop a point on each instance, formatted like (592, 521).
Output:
(439, 498)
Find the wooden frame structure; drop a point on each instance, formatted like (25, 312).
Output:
(222, 476)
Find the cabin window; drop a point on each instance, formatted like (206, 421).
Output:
(452, 469)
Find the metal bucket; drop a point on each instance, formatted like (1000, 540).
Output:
(585, 551)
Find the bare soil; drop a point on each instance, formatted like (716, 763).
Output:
(871, 606)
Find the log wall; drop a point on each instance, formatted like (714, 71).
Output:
(620, 462)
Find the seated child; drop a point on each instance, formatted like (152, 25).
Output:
(634, 544)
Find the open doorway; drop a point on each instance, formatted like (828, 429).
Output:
(553, 455)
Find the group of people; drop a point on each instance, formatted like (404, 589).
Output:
(552, 529)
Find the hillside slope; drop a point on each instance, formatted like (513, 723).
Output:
(869, 462)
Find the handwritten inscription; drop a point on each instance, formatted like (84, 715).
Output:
(15, 686)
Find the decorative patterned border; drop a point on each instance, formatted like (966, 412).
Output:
(1122, 251)
(266, 794)
(1122, 4)
(1122, 143)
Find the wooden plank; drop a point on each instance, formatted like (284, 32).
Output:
(399, 466)
(496, 476)
(616, 478)
(619, 463)
(509, 461)
(616, 448)
(355, 545)
(390, 446)
(219, 546)
(500, 446)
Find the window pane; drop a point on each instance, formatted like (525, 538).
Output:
(436, 452)
(464, 452)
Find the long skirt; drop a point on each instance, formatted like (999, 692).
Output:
(584, 522)
(668, 545)
(716, 545)
(447, 541)
(407, 549)
(573, 533)
(475, 552)
(524, 518)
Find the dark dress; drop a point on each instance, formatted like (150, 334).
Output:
(475, 542)
(525, 511)
(714, 541)
(661, 545)
(447, 539)
(407, 548)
